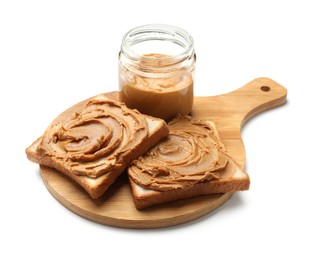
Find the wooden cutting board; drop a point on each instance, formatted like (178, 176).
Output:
(116, 208)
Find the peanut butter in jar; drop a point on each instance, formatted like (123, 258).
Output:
(160, 83)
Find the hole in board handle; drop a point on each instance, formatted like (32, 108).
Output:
(265, 88)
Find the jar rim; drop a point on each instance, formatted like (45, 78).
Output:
(176, 34)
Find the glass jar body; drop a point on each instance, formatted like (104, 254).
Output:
(156, 70)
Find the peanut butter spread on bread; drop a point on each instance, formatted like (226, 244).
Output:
(190, 154)
(96, 140)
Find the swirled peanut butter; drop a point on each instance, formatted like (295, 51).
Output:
(95, 140)
(161, 95)
(191, 153)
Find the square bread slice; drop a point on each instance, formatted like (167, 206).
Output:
(95, 145)
(191, 161)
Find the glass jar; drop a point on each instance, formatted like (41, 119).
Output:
(156, 70)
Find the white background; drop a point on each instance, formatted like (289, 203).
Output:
(56, 53)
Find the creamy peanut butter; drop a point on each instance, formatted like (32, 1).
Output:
(93, 141)
(191, 153)
(162, 95)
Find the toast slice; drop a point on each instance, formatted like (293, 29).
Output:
(95, 145)
(191, 161)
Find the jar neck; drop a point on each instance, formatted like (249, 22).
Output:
(157, 49)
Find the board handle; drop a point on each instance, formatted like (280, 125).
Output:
(257, 96)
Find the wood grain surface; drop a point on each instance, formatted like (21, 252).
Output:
(116, 208)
